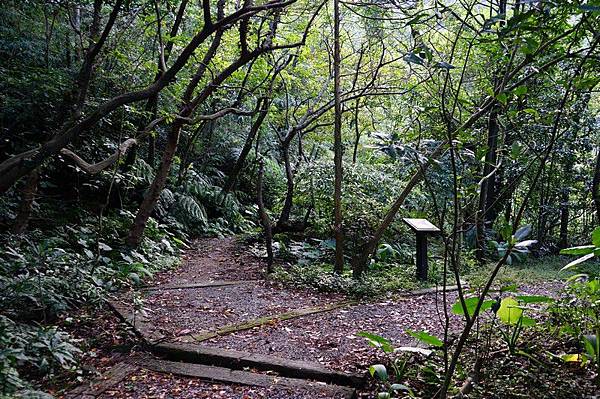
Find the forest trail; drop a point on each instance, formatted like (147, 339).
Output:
(219, 315)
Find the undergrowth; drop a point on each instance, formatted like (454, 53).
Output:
(45, 273)
(532, 271)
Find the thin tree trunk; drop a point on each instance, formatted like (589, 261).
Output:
(337, 144)
(239, 163)
(264, 217)
(356, 131)
(564, 219)
(488, 185)
(27, 198)
(284, 216)
(596, 187)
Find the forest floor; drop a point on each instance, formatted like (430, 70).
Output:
(219, 303)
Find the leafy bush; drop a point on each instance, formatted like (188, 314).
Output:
(42, 350)
(367, 192)
(43, 274)
(377, 282)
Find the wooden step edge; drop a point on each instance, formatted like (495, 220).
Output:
(107, 380)
(433, 290)
(138, 323)
(261, 321)
(239, 360)
(226, 375)
(201, 284)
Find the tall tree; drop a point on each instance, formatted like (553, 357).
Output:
(337, 143)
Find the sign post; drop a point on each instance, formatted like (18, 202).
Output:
(422, 228)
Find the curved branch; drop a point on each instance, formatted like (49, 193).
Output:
(98, 167)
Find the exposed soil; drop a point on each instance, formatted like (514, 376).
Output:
(192, 310)
(330, 338)
(212, 259)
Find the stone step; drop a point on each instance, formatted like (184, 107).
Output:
(225, 375)
(240, 360)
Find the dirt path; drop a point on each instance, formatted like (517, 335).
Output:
(218, 309)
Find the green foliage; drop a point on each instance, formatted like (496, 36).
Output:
(45, 274)
(519, 247)
(43, 349)
(372, 284)
(426, 338)
(367, 191)
(588, 251)
(578, 313)
(529, 272)
(470, 304)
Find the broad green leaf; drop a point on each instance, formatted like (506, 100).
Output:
(509, 311)
(576, 277)
(527, 321)
(526, 243)
(582, 250)
(471, 304)
(532, 112)
(596, 237)
(591, 343)
(378, 371)
(520, 91)
(522, 232)
(571, 357)
(377, 341)
(534, 298)
(515, 150)
(426, 338)
(414, 349)
(578, 261)
(502, 98)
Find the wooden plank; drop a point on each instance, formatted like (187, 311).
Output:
(433, 290)
(204, 284)
(246, 325)
(112, 377)
(225, 375)
(238, 360)
(139, 323)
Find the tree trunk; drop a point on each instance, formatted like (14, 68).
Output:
(360, 261)
(337, 145)
(147, 206)
(564, 219)
(239, 163)
(596, 187)
(356, 131)
(27, 198)
(264, 217)
(488, 186)
(284, 216)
